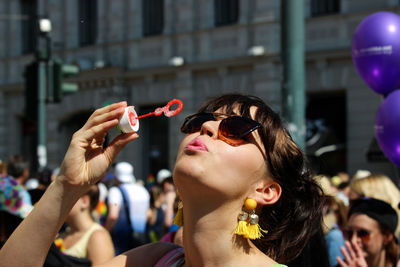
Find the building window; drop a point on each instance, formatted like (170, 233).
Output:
(87, 24)
(28, 27)
(153, 17)
(324, 7)
(226, 12)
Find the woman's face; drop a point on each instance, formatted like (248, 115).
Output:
(82, 203)
(367, 233)
(207, 165)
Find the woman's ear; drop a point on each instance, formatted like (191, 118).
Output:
(268, 193)
(387, 237)
(85, 201)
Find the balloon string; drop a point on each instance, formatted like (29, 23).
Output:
(145, 115)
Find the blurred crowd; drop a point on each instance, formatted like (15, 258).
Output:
(118, 213)
(360, 225)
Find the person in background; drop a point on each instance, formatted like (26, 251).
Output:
(12, 212)
(84, 238)
(44, 180)
(3, 169)
(343, 193)
(155, 214)
(332, 233)
(377, 186)
(165, 180)
(18, 169)
(370, 235)
(13, 209)
(344, 176)
(127, 210)
(100, 213)
(360, 174)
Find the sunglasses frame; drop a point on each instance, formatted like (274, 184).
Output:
(231, 140)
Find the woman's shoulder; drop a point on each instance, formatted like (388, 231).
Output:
(146, 255)
(98, 233)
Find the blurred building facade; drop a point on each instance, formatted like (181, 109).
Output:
(148, 52)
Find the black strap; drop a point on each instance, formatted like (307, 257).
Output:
(126, 207)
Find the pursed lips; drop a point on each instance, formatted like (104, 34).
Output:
(197, 145)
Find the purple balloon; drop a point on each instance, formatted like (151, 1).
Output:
(376, 51)
(387, 127)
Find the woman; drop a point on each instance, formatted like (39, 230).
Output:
(235, 149)
(370, 234)
(331, 228)
(155, 214)
(84, 237)
(377, 186)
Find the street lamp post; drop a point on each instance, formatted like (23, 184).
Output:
(293, 87)
(44, 69)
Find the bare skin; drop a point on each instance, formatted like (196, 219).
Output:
(368, 251)
(85, 162)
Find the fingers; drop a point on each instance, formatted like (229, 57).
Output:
(98, 131)
(350, 249)
(345, 254)
(341, 262)
(118, 144)
(358, 250)
(352, 254)
(101, 121)
(101, 115)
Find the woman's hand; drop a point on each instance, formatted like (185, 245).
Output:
(353, 256)
(86, 162)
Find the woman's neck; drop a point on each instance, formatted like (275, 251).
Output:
(209, 239)
(80, 223)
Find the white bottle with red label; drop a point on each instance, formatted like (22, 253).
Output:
(129, 122)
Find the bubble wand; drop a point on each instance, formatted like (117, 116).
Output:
(129, 122)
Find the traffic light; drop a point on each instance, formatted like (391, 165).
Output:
(60, 87)
(31, 91)
(35, 93)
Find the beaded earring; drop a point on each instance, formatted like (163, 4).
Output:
(248, 226)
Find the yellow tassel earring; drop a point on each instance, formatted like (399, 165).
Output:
(241, 228)
(178, 220)
(248, 226)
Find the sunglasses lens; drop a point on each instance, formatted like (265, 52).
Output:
(235, 127)
(193, 123)
(362, 234)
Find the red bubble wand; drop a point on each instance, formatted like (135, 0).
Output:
(129, 122)
(166, 110)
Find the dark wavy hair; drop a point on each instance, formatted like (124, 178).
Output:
(93, 193)
(297, 215)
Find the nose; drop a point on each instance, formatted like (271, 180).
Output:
(354, 237)
(210, 128)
